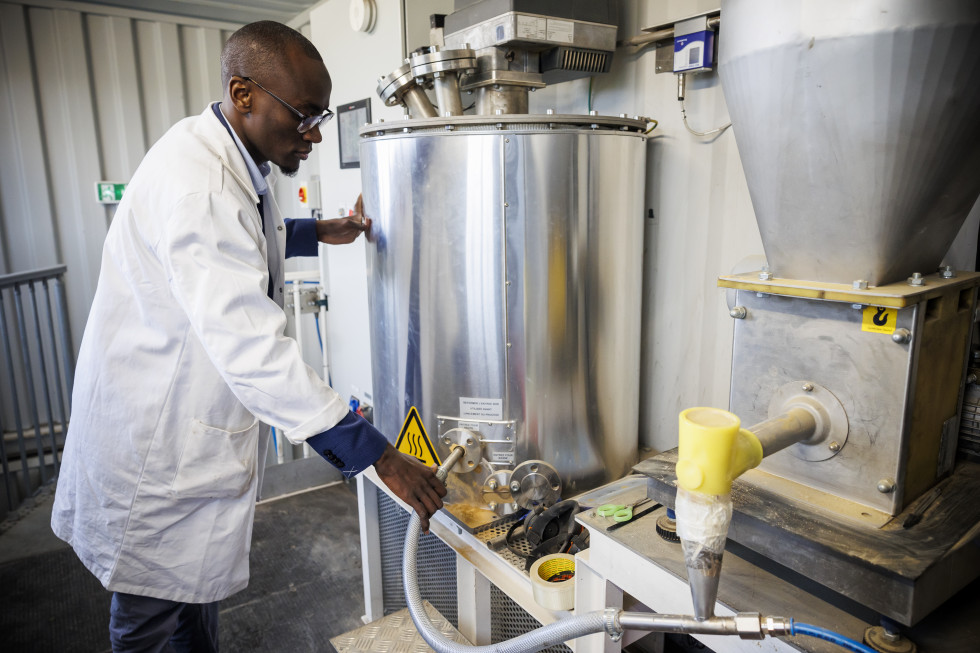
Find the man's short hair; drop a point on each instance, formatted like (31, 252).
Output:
(258, 50)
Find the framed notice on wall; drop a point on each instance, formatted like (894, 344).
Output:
(350, 118)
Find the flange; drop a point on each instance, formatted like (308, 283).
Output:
(535, 483)
(828, 413)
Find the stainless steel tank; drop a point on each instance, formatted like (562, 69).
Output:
(505, 270)
(858, 125)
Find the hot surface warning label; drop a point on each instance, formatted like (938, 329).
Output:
(414, 441)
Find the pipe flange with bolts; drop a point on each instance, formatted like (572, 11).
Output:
(535, 483)
(471, 444)
(831, 427)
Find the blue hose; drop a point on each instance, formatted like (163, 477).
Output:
(830, 636)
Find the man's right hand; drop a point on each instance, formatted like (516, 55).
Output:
(412, 482)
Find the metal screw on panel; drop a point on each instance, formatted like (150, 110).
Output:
(506, 203)
(447, 440)
(860, 284)
(947, 272)
(469, 442)
(381, 119)
(515, 486)
(738, 312)
(857, 307)
(765, 274)
(902, 336)
(622, 115)
(760, 294)
(492, 505)
(834, 446)
(886, 486)
(915, 279)
(593, 113)
(492, 484)
(514, 506)
(507, 140)
(550, 112)
(807, 387)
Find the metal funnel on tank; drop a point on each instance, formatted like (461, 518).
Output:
(858, 126)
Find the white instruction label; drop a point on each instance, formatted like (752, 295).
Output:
(562, 31)
(502, 457)
(472, 426)
(481, 409)
(531, 27)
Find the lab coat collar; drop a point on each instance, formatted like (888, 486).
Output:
(219, 141)
(258, 173)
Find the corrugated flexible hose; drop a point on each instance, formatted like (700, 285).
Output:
(550, 635)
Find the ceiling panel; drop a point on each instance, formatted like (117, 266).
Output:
(238, 11)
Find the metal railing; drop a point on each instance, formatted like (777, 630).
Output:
(36, 380)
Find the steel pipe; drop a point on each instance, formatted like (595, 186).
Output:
(795, 425)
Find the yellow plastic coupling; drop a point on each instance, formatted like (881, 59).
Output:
(714, 450)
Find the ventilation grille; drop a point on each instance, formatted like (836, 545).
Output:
(584, 61)
(509, 620)
(969, 444)
(436, 563)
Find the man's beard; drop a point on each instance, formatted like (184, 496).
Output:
(289, 172)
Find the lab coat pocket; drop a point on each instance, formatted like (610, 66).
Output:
(216, 464)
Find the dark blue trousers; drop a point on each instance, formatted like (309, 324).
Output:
(141, 624)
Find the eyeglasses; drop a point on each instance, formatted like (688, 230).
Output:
(306, 122)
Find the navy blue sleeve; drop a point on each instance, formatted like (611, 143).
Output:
(351, 446)
(301, 237)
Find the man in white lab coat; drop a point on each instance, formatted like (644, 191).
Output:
(184, 361)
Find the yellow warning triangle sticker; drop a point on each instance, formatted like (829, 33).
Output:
(414, 441)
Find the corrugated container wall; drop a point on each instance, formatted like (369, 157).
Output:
(83, 94)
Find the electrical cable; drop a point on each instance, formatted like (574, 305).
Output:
(797, 628)
(590, 93)
(697, 133)
(316, 322)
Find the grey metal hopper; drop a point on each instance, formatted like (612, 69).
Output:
(858, 126)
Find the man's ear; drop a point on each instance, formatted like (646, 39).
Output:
(241, 94)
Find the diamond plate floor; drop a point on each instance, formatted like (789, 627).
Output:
(394, 633)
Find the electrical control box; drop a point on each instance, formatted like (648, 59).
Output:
(694, 46)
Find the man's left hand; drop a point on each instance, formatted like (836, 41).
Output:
(341, 231)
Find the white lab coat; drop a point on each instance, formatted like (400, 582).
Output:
(182, 356)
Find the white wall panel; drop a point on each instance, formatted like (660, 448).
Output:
(117, 95)
(84, 92)
(203, 83)
(71, 149)
(27, 229)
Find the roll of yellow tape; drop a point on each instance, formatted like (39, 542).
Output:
(553, 581)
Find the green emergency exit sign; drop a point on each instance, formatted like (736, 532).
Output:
(109, 192)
